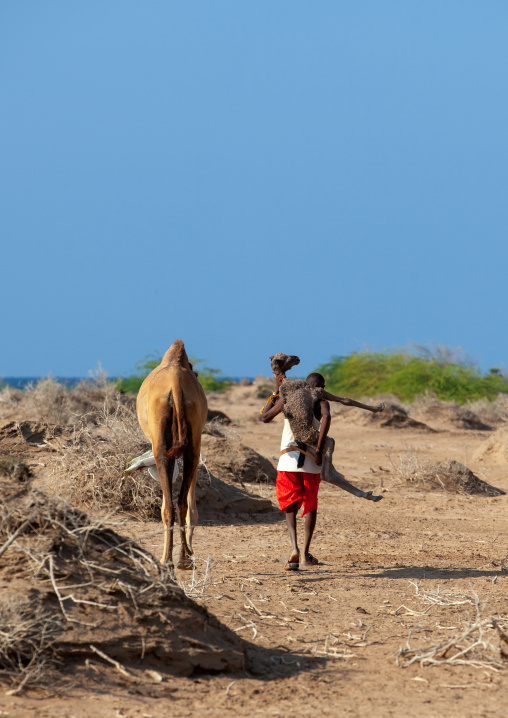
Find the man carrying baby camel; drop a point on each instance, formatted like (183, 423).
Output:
(306, 450)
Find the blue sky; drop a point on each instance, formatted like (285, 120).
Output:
(312, 178)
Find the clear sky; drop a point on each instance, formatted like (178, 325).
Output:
(251, 177)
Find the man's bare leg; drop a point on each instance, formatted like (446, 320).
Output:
(291, 512)
(310, 525)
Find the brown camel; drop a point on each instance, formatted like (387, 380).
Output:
(172, 412)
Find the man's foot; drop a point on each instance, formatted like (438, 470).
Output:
(310, 560)
(293, 563)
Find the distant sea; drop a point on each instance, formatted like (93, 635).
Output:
(20, 382)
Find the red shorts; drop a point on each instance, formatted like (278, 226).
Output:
(300, 486)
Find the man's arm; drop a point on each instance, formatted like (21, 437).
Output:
(271, 411)
(323, 430)
(273, 407)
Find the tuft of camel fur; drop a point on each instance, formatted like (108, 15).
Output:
(172, 411)
(299, 400)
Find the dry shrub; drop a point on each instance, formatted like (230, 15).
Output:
(10, 466)
(47, 401)
(51, 402)
(493, 412)
(97, 432)
(89, 466)
(10, 396)
(76, 577)
(481, 643)
(411, 467)
(92, 431)
(27, 636)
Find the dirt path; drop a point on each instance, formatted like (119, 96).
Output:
(325, 639)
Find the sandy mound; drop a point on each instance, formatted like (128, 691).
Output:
(231, 460)
(445, 414)
(495, 449)
(455, 478)
(216, 498)
(69, 584)
(426, 414)
(219, 416)
(493, 412)
(394, 415)
(464, 418)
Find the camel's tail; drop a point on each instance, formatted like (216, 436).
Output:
(179, 425)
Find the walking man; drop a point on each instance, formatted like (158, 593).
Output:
(298, 473)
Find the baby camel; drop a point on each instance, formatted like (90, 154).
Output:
(172, 410)
(299, 399)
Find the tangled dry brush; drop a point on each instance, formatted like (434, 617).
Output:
(91, 432)
(73, 587)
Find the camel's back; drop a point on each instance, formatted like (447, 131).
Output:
(165, 381)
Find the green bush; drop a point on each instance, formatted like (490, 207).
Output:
(207, 377)
(131, 384)
(408, 374)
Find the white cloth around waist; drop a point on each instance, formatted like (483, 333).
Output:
(289, 461)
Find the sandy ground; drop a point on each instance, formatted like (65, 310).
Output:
(329, 635)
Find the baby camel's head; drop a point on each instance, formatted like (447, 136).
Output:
(281, 363)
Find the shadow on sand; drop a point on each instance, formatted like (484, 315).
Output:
(419, 572)
(323, 573)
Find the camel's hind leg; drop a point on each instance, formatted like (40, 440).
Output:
(192, 511)
(165, 467)
(187, 510)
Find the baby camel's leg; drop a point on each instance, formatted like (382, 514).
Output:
(330, 474)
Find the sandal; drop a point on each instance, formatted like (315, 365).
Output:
(312, 561)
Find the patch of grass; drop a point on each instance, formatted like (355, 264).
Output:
(207, 377)
(407, 374)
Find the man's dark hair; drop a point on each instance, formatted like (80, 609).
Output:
(316, 380)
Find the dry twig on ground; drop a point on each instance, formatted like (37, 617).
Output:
(479, 644)
(196, 586)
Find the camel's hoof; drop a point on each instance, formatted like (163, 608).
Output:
(185, 564)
